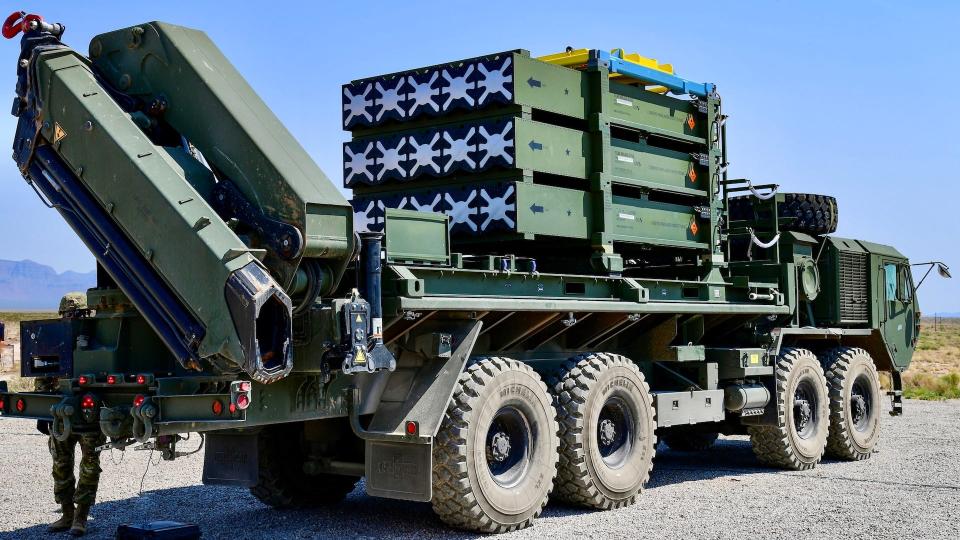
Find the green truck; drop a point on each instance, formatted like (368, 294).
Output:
(545, 271)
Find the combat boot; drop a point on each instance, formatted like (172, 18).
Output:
(79, 527)
(65, 521)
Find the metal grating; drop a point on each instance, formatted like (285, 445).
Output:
(853, 287)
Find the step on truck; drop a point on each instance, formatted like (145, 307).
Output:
(545, 271)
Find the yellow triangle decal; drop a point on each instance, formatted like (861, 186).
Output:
(58, 133)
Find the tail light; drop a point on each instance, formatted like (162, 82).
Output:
(243, 401)
(88, 403)
(240, 395)
(111, 379)
(21, 405)
(217, 407)
(141, 379)
(138, 400)
(83, 380)
(3, 405)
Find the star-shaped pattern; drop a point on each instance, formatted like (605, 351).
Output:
(457, 88)
(495, 81)
(459, 150)
(424, 155)
(357, 164)
(430, 206)
(422, 94)
(497, 208)
(355, 105)
(460, 211)
(391, 100)
(496, 144)
(392, 159)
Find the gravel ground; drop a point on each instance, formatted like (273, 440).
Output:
(911, 488)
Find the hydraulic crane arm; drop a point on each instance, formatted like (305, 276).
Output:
(210, 256)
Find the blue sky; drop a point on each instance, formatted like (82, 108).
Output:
(858, 101)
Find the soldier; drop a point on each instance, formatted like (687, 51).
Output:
(66, 489)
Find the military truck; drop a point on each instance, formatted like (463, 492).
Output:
(545, 270)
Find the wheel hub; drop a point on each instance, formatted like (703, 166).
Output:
(803, 413)
(500, 446)
(858, 408)
(608, 432)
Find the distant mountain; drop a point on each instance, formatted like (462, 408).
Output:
(30, 285)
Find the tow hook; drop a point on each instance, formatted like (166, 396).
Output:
(115, 422)
(61, 427)
(143, 416)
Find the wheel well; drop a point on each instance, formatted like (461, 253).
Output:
(872, 343)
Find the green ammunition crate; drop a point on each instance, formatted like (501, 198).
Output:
(511, 143)
(512, 79)
(507, 208)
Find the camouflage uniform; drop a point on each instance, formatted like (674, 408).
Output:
(66, 489)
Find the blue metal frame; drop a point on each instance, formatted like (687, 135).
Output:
(676, 84)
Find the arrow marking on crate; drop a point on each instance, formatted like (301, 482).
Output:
(536, 208)
(534, 145)
(534, 83)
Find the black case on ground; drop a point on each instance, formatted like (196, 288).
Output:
(159, 530)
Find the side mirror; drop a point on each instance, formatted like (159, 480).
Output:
(942, 269)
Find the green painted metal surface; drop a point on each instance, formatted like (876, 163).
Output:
(206, 100)
(149, 191)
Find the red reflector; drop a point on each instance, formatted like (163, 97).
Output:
(243, 401)
(233, 408)
(83, 380)
(141, 379)
(111, 379)
(245, 386)
(412, 428)
(87, 402)
(217, 407)
(138, 401)
(3, 404)
(21, 405)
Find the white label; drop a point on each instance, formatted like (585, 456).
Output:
(631, 217)
(627, 102)
(625, 159)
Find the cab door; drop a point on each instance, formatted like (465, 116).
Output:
(899, 313)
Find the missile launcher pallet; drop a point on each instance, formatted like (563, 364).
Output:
(515, 148)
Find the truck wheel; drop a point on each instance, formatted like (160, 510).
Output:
(854, 403)
(815, 214)
(607, 431)
(688, 439)
(495, 456)
(282, 482)
(802, 406)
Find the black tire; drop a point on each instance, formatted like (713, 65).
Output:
(607, 431)
(688, 438)
(799, 441)
(495, 456)
(813, 214)
(854, 403)
(282, 482)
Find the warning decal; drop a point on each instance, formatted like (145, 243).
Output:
(58, 133)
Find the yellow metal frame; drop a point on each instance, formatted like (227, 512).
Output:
(578, 58)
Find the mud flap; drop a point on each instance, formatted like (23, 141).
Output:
(399, 470)
(230, 459)
(399, 439)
